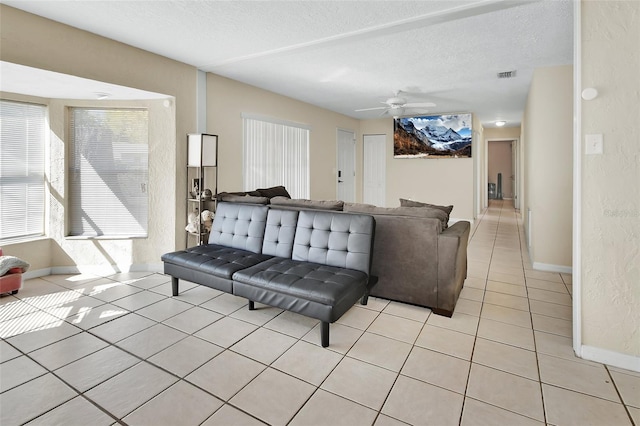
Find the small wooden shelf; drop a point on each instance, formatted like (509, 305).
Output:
(202, 174)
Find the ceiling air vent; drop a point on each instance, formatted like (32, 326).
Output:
(507, 74)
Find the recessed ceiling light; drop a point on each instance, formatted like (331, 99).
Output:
(500, 123)
(102, 96)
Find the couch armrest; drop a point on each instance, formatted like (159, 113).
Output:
(452, 265)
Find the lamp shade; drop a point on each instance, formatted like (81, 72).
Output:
(202, 150)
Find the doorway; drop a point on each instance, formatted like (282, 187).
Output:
(346, 161)
(501, 169)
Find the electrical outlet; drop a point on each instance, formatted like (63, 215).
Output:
(593, 144)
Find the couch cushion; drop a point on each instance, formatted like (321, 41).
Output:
(280, 232)
(245, 199)
(274, 191)
(411, 203)
(334, 239)
(335, 205)
(214, 259)
(323, 284)
(239, 226)
(399, 211)
(224, 193)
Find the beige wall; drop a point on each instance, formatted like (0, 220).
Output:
(437, 181)
(610, 208)
(547, 142)
(33, 41)
(228, 99)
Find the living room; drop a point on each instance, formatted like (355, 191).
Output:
(608, 300)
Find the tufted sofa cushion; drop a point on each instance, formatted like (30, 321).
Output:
(322, 284)
(239, 226)
(280, 232)
(341, 240)
(215, 260)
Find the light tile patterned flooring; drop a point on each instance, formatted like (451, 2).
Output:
(86, 350)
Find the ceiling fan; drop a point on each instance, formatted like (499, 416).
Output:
(397, 105)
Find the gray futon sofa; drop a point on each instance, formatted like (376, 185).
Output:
(315, 263)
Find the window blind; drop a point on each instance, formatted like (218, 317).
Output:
(108, 172)
(276, 154)
(22, 188)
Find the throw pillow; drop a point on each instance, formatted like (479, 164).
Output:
(398, 211)
(411, 203)
(274, 191)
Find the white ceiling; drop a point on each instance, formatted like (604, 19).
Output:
(348, 55)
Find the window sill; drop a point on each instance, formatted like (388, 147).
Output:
(106, 237)
(25, 240)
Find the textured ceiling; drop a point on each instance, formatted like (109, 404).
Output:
(348, 55)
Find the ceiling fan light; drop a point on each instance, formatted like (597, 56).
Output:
(500, 123)
(396, 112)
(396, 102)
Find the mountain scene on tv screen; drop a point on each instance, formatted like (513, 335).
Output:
(433, 136)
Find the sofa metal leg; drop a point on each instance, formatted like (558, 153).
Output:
(365, 298)
(174, 286)
(324, 334)
(252, 305)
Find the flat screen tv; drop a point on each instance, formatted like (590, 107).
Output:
(432, 136)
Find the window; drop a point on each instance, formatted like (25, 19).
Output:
(22, 188)
(108, 172)
(276, 153)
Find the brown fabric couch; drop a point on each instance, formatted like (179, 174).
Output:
(417, 257)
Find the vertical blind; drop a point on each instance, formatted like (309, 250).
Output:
(108, 172)
(276, 154)
(22, 189)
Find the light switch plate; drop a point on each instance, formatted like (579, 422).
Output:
(593, 144)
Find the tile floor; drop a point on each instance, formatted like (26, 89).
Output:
(87, 350)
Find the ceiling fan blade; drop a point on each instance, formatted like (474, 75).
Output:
(370, 109)
(420, 105)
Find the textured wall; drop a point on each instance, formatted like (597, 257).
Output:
(442, 181)
(611, 182)
(33, 41)
(547, 142)
(228, 99)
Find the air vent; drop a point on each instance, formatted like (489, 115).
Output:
(507, 74)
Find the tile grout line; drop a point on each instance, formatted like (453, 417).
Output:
(613, 382)
(475, 339)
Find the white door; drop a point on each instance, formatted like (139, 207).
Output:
(346, 173)
(514, 176)
(374, 170)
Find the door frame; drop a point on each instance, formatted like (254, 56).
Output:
(484, 189)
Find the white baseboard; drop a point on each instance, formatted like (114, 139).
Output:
(614, 359)
(36, 273)
(547, 267)
(101, 270)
